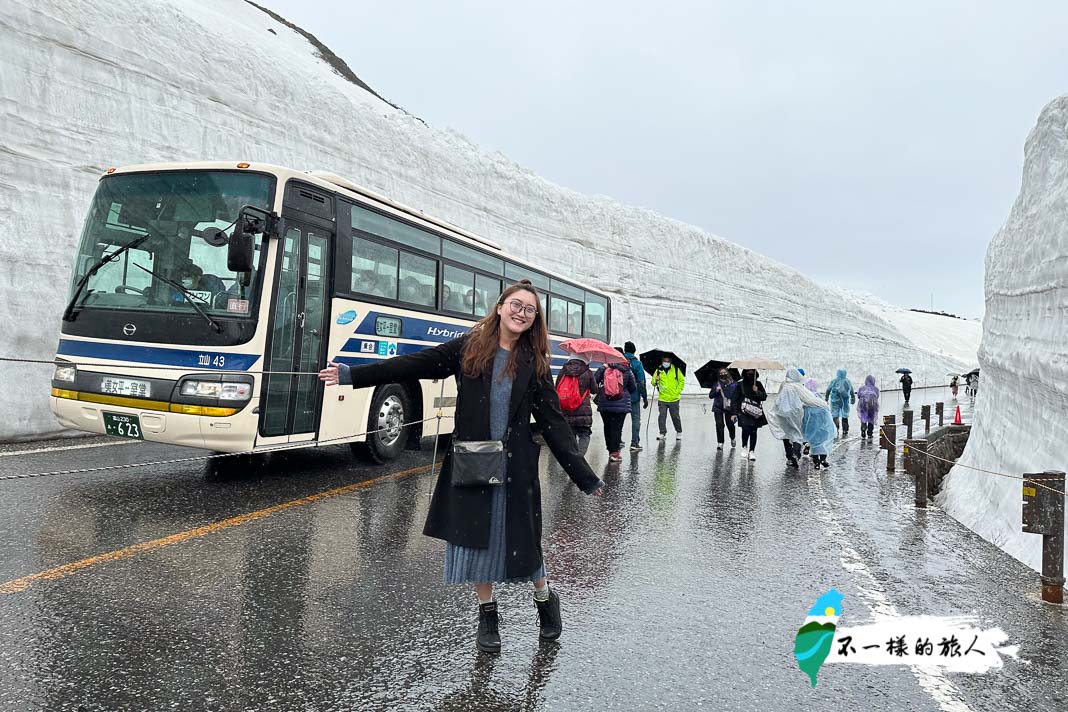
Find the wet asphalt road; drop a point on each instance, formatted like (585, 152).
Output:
(682, 588)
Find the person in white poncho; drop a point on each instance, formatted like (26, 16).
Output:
(786, 415)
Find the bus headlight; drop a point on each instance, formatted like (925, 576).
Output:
(217, 389)
(66, 374)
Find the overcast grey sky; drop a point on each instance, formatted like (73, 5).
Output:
(874, 148)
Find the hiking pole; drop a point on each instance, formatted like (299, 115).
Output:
(649, 419)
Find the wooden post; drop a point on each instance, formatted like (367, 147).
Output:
(916, 466)
(940, 411)
(925, 413)
(891, 450)
(906, 420)
(1043, 513)
(883, 442)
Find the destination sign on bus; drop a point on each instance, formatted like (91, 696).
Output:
(388, 326)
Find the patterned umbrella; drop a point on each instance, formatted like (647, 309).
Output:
(596, 350)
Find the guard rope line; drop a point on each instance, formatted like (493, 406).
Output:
(1036, 480)
(199, 458)
(147, 367)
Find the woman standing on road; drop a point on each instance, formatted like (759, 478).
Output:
(490, 516)
(748, 406)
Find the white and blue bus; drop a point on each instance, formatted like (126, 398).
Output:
(206, 296)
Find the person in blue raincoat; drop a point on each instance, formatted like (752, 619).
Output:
(841, 396)
(786, 415)
(818, 426)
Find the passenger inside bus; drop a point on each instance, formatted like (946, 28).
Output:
(574, 324)
(453, 301)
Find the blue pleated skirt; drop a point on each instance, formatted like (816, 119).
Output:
(465, 564)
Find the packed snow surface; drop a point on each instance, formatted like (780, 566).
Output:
(1021, 414)
(87, 85)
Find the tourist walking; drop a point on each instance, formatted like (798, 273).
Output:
(786, 415)
(574, 386)
(906, 386)
(954, 385)
(615, 384)
(669, 380)
(638, 399)
(819, 427)
(868, 407)
(748, 406)
(841, 397)
(722, 393)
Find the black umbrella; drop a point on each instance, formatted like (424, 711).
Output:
(970, 373)
(651, 360)
(708, 374)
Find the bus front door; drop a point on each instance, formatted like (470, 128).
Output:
(292, 393)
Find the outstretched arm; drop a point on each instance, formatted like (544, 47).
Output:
(439, 362)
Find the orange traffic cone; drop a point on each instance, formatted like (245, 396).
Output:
(956, 418)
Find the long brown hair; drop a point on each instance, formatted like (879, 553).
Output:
(484, 338)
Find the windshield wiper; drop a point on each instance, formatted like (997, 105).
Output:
(69, 314)
(185, 293)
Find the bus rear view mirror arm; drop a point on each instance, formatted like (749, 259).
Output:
(240, 253)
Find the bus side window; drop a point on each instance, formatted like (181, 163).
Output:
(459, 290)
(574, 318)
(418, 280)
(596, 316)
(374, 269)
(557, 314)
(487, 290)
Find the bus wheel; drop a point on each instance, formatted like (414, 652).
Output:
(390, 410)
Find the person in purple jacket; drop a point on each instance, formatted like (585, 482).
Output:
(868, 407)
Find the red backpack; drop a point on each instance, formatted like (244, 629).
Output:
(570, 396)
(613, 383)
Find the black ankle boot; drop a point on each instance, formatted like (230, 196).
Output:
(549, 616)
(489, 637)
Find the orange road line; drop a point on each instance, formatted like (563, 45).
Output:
(61, 572)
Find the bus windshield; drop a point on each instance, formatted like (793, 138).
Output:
(188, 217)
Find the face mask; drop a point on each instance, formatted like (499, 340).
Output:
(665, 365)
(187, 283)
(725, 378)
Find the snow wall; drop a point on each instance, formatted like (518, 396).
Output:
(1021, 414)
(87, 85)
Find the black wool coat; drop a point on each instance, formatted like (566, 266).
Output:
(461, 515)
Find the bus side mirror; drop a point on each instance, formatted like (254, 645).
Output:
(240, 253)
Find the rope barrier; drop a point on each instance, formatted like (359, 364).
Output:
(200, 458)
(1035, 480)
(147, 367)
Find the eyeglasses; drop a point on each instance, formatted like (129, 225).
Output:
(519, 307)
